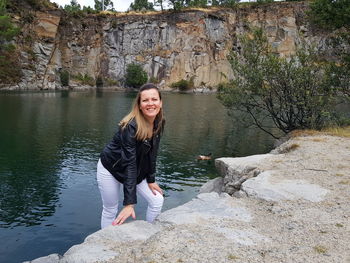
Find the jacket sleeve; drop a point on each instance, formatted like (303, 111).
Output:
(128, 144)
(150, 178)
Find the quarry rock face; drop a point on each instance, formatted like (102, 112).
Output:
(170, 46)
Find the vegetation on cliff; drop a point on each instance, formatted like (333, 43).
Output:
(135, 76)
(9, 64)
(295, 93)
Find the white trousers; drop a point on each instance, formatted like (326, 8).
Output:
(110, 191)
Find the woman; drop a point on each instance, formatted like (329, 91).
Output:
(130, 160)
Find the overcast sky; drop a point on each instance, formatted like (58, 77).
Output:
(119, 5)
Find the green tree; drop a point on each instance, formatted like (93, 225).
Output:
(9, 57)
(294, 93)
(177, 4)
(141, 4)
(73, 7)
(334, 16)
(135, 76)
(330, 14)
(224, 3)
(108, 5)
(197, 3)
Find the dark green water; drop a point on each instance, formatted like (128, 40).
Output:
(49, 147)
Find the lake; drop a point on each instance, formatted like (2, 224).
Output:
(50, 144)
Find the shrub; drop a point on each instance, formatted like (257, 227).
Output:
(330, 14)
(294, 93)
(10, 68)
(84, 79)
(64, 76)
(135, 76)
(183, 85)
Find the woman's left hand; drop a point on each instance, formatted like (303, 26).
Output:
(155, 188)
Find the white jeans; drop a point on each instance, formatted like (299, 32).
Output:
(110, 191)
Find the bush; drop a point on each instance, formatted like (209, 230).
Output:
(10, 68)
(330, 14)
(64, 76)
(183, 85)
(294, 93)
(84, 79)
(135, 76)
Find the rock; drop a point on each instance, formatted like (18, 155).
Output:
(214, 185)
(99, 246)
(264, 187)
(53, 258)
(206, 206)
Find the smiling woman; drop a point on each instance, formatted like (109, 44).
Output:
(130, 160)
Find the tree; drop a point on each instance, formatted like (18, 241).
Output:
(108, 5)
(294, 93)
(196, 3)
(141, 4)
(159, 3)
(73, 7)
(135, 76)
(224, 3)
(330, 14)
(177, 4)
(334, 16)
(9, 60)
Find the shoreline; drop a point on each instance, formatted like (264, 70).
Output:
(290, 205)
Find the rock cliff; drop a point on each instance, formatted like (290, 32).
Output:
(170, 46)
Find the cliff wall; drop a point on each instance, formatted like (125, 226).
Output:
(170, 46)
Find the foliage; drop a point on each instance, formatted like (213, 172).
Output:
(9, 57)
(330, 14)
(176, 4)
(108, 5)
(225, 3)
(183, 85)
(64, 76)
(135, 76)
(153, 80)
(294, 93)
(84, 79)
(73, 7)
(139, 5)
(197, 3)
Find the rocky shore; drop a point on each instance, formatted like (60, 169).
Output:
(291, 205)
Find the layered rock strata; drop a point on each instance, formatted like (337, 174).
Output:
(191, 45)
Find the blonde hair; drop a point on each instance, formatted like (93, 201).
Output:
(144, 128)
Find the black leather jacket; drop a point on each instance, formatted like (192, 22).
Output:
(130, 161)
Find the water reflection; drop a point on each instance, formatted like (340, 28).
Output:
(50, 145)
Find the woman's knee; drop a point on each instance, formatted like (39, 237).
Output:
(157, 200)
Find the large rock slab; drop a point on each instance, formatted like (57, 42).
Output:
(264, 187)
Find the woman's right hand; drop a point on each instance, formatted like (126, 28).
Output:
(124, 214)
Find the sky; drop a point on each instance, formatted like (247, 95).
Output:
(119, 5)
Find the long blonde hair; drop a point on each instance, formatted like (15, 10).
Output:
(144, 128)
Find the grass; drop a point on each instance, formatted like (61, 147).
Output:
(339, 225)
(345, 182)
(232, 257)
(333, 131)
(339, 175)
(320, 249)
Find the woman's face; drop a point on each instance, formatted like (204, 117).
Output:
(150, 104)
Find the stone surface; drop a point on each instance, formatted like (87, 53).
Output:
(263, 187)
(214, 185)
